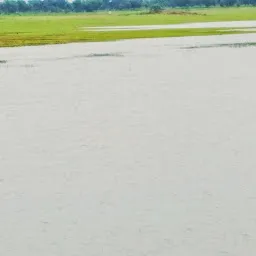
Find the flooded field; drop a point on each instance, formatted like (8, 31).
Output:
(135, 148)
(222, 24)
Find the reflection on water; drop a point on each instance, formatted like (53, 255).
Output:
(152, 153)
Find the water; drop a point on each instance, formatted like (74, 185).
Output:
(243, 25)
(143, 147)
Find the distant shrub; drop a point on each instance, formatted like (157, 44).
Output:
(155, 8)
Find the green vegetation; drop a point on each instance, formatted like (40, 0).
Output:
(38, 29)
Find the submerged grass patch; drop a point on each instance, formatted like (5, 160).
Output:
(234, 45)
(106, 36)
(65, 28)
(95, 55)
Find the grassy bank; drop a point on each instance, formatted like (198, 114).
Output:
(17, 30)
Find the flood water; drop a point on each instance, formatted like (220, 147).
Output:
(129, 148)
(222, 24)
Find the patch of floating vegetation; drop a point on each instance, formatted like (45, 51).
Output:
(234, 45)
(92, 55)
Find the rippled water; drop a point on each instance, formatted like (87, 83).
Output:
(132, 148)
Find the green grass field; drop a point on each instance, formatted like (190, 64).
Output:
(28, 29)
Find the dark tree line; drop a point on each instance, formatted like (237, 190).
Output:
(19, 6)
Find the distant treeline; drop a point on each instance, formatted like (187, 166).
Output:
(20, 6)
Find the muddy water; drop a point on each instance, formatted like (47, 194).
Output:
(221, 24)
(143, 147)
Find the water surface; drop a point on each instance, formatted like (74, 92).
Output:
(142, 147)
(216, 24)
